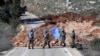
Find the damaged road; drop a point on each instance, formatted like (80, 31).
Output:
(37, 51)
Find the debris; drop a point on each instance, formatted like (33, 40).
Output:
(81, 23)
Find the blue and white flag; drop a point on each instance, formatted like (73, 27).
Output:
(55, 32)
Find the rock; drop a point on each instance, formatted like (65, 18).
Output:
(69, 19)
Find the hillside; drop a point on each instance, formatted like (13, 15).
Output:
(44, 7)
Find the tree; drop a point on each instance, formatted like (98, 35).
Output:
(2, 2)
(10, 11)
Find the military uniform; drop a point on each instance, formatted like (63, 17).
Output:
(63, 37)
(73, 38)
(46, 39)
(31, 39)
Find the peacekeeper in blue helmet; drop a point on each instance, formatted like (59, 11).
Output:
(73, 37)
(31, 38)
(46, 38)
(63, 36)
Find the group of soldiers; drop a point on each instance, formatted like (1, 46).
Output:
(46, 35)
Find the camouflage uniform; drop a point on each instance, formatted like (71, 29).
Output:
(63, 37)
(31, 40)
(73, 38)
(46, 39)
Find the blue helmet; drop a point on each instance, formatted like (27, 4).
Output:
(45, 30)
(31, 30)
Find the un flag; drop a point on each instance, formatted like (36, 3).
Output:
(55, 32)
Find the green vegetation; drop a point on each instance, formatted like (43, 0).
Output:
(96, 44)
(91, 48)
(97, 24)
(9, 19)
(10, 11)
(44, 7)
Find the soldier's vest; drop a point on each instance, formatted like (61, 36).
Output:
(62, 32)
(30, 35)
(46, 35)
(73, 35)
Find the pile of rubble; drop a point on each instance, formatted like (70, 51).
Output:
(83, 26)
(95, 31)
(70, 16)
(20, 39)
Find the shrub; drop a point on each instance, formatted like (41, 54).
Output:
(5, 33)
(97, 24)
(95, 44)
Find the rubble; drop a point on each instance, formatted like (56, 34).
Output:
(83, 25)
(95, 31)
(70, 16)
(20, 39)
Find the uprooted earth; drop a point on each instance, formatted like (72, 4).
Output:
(84, 26)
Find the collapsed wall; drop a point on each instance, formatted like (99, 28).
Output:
(83, 25)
